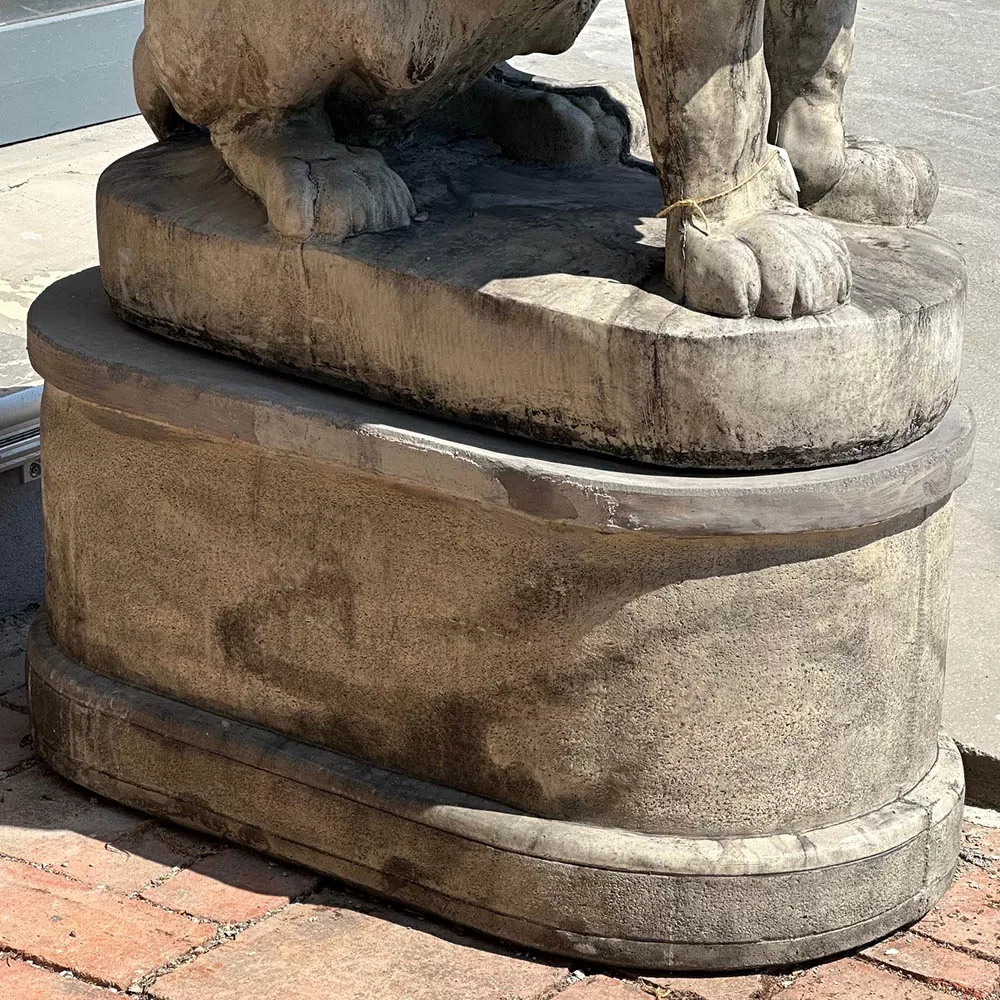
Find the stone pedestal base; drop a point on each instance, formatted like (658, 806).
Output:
(658, 720)
(607, 895)
(532, 302)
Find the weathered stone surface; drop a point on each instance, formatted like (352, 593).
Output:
(594, 710)
(604, 894)
(110, 364)
(646, 641)
(532, 301)
(301, 103)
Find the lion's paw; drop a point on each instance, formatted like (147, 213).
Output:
(343, 194)
(881, 185)
(778, 264)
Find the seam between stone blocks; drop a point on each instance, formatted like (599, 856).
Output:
(307, 285)
(922, 628)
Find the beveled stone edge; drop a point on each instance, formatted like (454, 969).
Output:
(497, 421)
(61, 687)
(493, 825)
(884, 412)
(78, 345)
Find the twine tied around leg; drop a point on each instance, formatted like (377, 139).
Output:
(694, 204)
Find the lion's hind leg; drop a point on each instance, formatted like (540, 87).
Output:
(155, 105)
(810, 45)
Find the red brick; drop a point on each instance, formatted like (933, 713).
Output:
(352, 950)
(938, 965)
(149, 852)
(851, 979)
(21, 981)
(711, 987)
(603, 988)
(97, 933)
(969, 915)
(48, 821)
(15, 739)
(233, 886)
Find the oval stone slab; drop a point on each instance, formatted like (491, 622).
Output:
(531, 301)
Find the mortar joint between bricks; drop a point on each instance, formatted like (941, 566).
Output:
(46, 963)
(224, 933)
(968, 950)
(19, 768)
(155, 883)
(47, 868)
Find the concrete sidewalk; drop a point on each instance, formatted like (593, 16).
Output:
(926, 76)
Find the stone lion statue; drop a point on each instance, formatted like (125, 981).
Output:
(299, 97)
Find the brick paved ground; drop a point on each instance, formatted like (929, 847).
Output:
(96, 900)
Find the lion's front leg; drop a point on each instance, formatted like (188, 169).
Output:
(809, 46)
(737, 242)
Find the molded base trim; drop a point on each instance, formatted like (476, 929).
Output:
(606, 895)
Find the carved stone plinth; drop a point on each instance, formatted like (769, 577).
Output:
(658, 720)
(532, 301)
